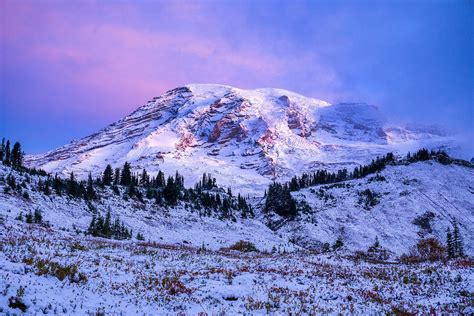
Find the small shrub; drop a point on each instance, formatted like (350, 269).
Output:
(61, 272)
(16, 302)
(243, 246)
(338, 244)
(424, 221)
(429, 249)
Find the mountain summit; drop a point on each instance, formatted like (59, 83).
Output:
(245, 138)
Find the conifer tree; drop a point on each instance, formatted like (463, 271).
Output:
(38, 217)
(2, 150)
(17, 156)
(450, 244)
(144, 179)
(90, 192)
(108, 175)
(6, 160)
(126, 176)
(160, 179)
(171, 192)
(73, 188)
(117, 176)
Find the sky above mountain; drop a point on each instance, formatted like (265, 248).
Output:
(70, 68)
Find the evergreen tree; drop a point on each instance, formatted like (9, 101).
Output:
(38, 217)
(57, 184)
(90, 192)
(73, 188)
(144, 179)
(126, 176)
(6, 160)
(450, 244)
(117, 176)
(108, 175)
(2, 150)
(171, 192)
(17, 156)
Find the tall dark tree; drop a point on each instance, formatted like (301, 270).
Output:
(108, 175)
(73, 188)
(450, 244)
(171, 192)
(144, 178)
(117, 176)
(90, 192)
(126, 177)
(6, 160)
(16, 156)
(160, 179)
(2, 150)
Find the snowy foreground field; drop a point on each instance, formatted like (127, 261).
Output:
(51, 271)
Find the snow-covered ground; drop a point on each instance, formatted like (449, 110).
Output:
(53, 271)
(444, 193)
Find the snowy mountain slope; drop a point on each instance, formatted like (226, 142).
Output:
(245, 138)
(428, 190)
(404, 193)
(178, 225)
(57, 269)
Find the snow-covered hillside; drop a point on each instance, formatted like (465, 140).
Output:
(245, 138)
(191, 260)
(404, 197)
(403, 193)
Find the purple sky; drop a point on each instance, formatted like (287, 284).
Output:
(69, 68)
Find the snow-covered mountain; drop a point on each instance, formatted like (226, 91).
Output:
(245, 138)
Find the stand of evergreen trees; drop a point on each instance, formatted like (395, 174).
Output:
(11, 157)
(104, 227)
(279, 200)
(205, 195)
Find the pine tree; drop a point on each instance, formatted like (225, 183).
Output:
(90, 192)
(144, 179)
(17, 156)
(72, 186)
(38, 217)
(171, 192)
(117, 176)
(126, 177)
(450, 244)
(6, 160)
(108, 175)
(2, 150)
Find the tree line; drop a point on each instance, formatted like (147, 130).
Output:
(278, 198)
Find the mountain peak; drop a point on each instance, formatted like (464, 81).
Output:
(245, 138)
